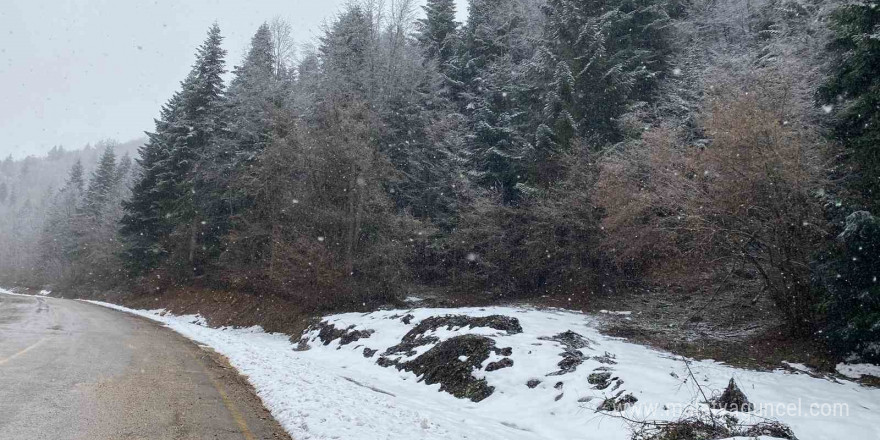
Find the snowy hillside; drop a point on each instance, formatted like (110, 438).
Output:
(522, 374)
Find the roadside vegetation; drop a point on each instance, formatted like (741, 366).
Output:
(582, 151)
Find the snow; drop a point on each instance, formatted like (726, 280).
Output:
(856, 371)
(333, 391)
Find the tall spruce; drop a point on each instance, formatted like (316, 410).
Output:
(852, 93)
(101, 187)
(497, 45)
(437, 31)
(600, 57)
(58, 242)
(167, 212)
(192, 149)
(144, 222)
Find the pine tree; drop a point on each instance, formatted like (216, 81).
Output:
(144, 222)
(344, 56)
(437, 31)
(418, 137)
(101, 186)
(4, 193)
(191, 140)
(853, 92)
(253, 95)
(59, 245)
(496, 48)
(97, 219)
(599, 58)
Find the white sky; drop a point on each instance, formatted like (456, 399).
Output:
(78, 71)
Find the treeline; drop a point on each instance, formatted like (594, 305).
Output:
(28, 190)
(79, 240)
(542, 147)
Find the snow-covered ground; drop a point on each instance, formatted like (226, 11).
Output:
(335, 392)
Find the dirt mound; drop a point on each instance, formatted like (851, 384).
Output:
(417, 338)
(221, 308)
(451, 362)
(453, 322)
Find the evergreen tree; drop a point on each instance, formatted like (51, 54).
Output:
(437, 31)
(254, 95)
(4, 193)
(144, 222)
(599, 58)
(496, 47)
(344, 56)
(59, 246)
(191, 140)
(97, 220)
(853, 92)
(418, 137)
(101, 186)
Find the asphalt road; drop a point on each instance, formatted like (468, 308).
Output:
(73, 370)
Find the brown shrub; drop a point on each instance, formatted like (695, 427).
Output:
(749, 194)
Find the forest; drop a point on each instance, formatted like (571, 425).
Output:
(570, 148)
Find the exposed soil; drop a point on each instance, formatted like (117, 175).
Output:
(451, 364)
(222, 308)
(721, 316)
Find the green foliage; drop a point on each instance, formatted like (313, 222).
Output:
(849, 276)
(601, 57)
(437, 31)
(497, 44)
(169, 214)
(853, 92)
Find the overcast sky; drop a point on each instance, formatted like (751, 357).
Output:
(75, 72)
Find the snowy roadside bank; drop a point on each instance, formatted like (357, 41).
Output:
(335, 391)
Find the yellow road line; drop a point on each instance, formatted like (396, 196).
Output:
(236, 415)
(3, 361)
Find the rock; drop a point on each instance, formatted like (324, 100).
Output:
(503, 363)
(407, 318)
(558, 385)
(732, 399)
(532, 383)
(368, 352)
